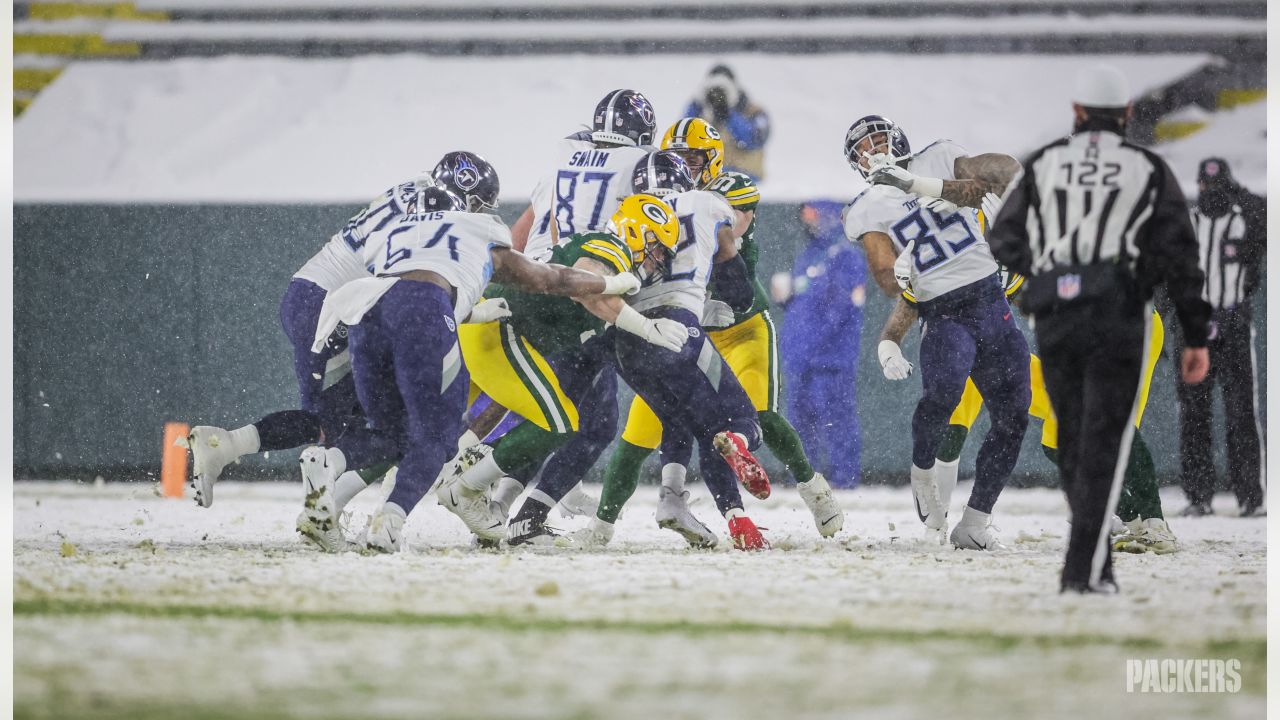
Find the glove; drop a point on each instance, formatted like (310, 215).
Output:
(991, 204)
(662, 332)
(901, 178)
(717, 314)
(621, 284)
(667, 334)
(902, 266)
(895, 366)
(489, 310)
(942, 208)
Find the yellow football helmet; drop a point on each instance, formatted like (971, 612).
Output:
(648, 226)
(692, 134)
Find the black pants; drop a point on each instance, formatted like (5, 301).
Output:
(1092, 356)
(1231, 366)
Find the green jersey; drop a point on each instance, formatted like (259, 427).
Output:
(741, 192)
(553, 323)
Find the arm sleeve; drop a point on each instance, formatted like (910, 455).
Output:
(1169, 254)
(731, 283)
(1008, 238)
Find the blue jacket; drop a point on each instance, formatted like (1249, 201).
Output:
(823, 320)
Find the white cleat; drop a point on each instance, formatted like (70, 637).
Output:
(318, 522)
(673, 514)
(578, 502)
(975, 532)
(211, 451)
(386, 527)
(472, 507)
(592, 537)
(827, 514)
(460, 463)
(924, 490)
(1150, 535)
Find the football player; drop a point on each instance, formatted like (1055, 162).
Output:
(328, 397)
(591, 175)
(431, 266)
(745, 338)
(693, 392)
(926, 204)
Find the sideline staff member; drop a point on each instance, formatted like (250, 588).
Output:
(1095, 223)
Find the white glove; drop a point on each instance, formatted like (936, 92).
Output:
(895, 366)
(904, 180)
(991, 204)
(489, 310)
(717, 314)
(621, 284)
(902, 266)
(667, 334)
(942, 208)
(662, 332)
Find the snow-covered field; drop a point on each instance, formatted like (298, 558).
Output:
(129, 605)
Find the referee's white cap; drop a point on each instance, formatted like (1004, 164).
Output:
(1101, 86)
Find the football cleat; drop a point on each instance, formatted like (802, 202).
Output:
(578, 502)
(1197, 510)
(745, 534)
(318, 521)
(750, 473)
(594, 536)
(673, 514)
(472, 507)
(924, 490)
(211, 451)
(827, 514)
(461, 462)
(1150, 535)
(531, 533)
(386, 527)
(975, 532)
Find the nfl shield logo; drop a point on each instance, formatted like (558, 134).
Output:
(1069, 286)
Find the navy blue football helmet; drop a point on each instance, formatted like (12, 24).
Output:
(893, 143)
(662, 173)
(470, 177)
(433, 198)
(624, 117)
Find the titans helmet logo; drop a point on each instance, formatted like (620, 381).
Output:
(466, 174)
(642, 107)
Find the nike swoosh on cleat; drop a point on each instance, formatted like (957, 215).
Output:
(833, 517)
(920, 511)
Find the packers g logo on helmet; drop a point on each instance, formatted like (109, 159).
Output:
(646, 223)
(697, 134)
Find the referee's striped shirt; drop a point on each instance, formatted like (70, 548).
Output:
(1094, 198)
(1223, 257)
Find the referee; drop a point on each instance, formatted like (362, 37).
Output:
(1231, 227)
(1096, 223)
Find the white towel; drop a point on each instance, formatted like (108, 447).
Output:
(348, 304)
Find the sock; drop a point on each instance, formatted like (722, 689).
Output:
(733, 513)
(245, 440)
(481, 476)
(283, 430)
(673, 476)
(785, 443)
(1140, 491)
(527, 445)
(337, 459)
(506, 493)
(371, 475)
(620, 480)
(953, 437)
(348, 486)
(974, 518)
(945, 474)
(390, 508)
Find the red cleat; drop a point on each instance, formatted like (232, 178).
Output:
(749, 471)
(745, 534)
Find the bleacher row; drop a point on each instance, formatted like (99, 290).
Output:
(49, 35)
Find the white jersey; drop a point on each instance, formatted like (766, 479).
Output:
(339, 261)
(453, 244)
(949, 251)
(684, 284)
(582, 194)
